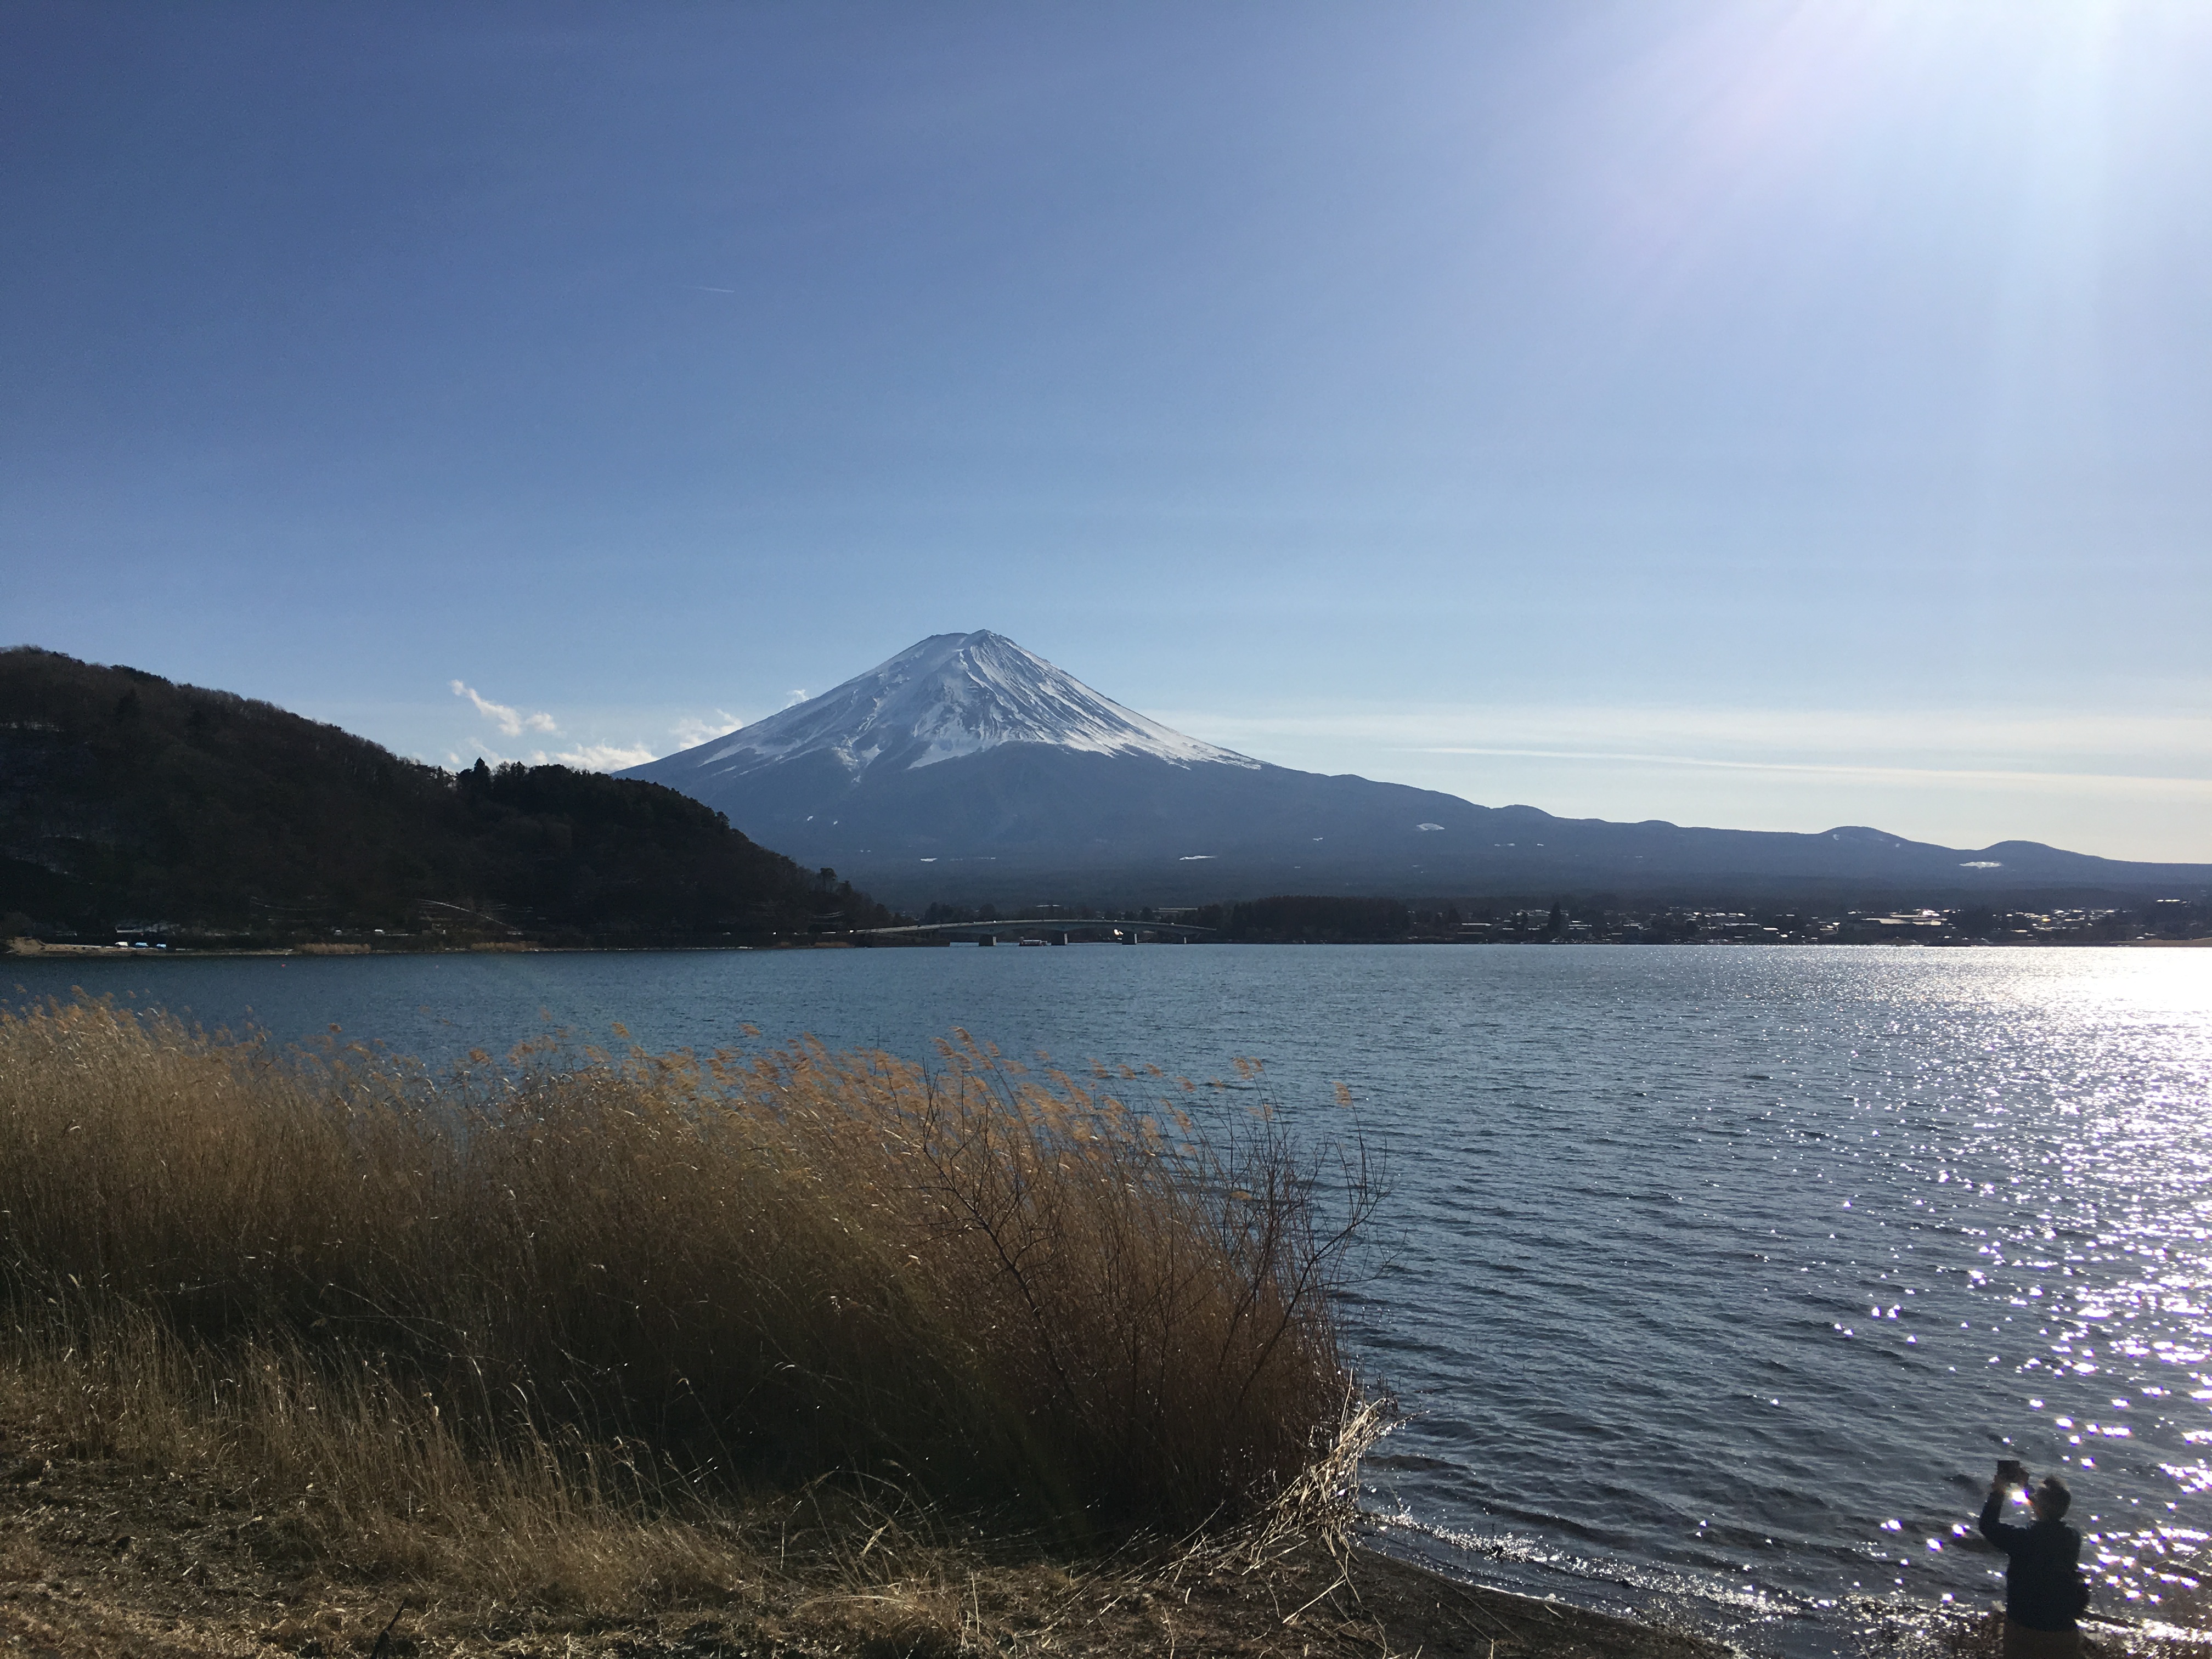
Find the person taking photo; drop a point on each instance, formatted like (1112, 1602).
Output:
(2044, 1592)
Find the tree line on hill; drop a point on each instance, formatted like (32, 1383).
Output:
(127, 801)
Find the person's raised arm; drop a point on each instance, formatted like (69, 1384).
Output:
(1994, 1527)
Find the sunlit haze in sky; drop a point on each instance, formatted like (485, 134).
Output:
(1765, 415)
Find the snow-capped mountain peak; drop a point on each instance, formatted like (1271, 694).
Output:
(952, 695)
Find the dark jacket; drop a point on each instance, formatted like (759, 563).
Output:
(2043, 1575)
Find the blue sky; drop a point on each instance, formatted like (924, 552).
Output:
(1769, 415)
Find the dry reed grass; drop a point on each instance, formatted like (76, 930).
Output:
(260, 1502)
(563, 1310)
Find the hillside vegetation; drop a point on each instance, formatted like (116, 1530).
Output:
(126, 800)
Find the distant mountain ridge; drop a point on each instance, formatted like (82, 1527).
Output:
(967, 768)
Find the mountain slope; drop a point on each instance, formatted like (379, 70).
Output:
(967, 768)
(126, 797)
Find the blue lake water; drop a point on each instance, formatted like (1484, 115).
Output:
(1713, 1279)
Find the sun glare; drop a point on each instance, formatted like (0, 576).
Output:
(1887, 116)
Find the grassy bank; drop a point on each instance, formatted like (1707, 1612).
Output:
(995, 1290)
(594, 1353)
(585, 1354)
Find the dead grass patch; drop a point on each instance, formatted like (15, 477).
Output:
(994, 1289)
(594, 1354)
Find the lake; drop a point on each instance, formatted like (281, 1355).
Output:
(1712, 1280)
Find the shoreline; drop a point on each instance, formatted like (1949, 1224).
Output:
(203, 953)
(102, 1557)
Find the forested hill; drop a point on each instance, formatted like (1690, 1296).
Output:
(127, 800)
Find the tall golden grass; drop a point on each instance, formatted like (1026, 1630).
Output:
(992, 1289)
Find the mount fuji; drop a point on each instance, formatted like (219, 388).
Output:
(968, 768)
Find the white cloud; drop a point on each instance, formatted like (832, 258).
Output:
(585, 757)
(1975, 777)
(695, 729)
(597, 756)
(798, 694)
(512, 722)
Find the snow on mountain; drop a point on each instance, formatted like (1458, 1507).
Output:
(950, 696)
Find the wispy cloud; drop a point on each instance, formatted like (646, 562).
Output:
(512, 722)
(695, 729)
(585, 757)
(798, 694)
(1960, 747)
(598, 756)
(2126, 782)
